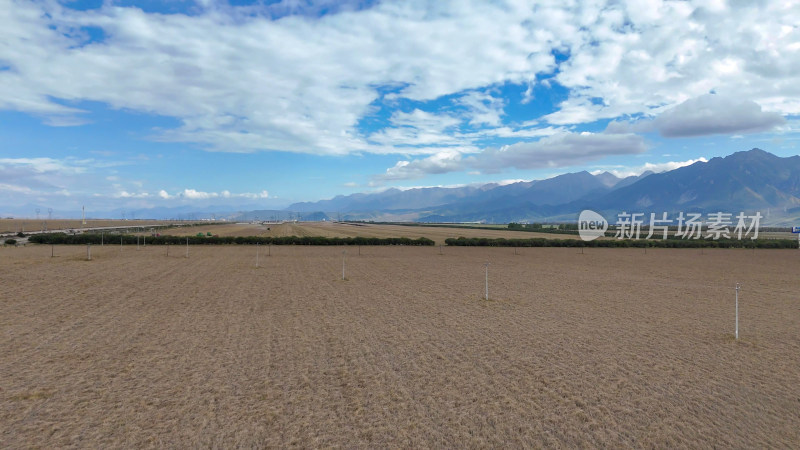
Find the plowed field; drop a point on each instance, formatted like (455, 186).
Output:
(613, 348)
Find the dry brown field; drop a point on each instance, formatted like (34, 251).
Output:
(28, 225)
(611, 348)
(334, 229)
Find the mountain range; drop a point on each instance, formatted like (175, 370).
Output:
(747, 181)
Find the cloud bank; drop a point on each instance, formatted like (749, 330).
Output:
(559, 150)
(281, 78)
(706, 115)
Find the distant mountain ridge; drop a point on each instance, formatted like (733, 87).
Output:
(743, 181)
(552, 191)
(749, 181)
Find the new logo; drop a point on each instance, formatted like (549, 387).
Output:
(591, 225)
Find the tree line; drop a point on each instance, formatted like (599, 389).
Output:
(636, 243)
(127, 239)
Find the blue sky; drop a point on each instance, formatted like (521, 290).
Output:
(130, 104)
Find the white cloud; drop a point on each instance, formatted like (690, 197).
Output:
(126, 194)
(66, 120)
(256, 195)
(193, 194)
(522, 133)
(14, 189)
(249, 83)
(482, 108)
(715, 114)
(47, 180)
(705, 115)
(511, 181)
(560, 150)
(258, 78)
(443, 162)
(430, 132)
(67, 182)
(623, 172)
(67, 166)
(639, 57)
(424, 120)
(418, 128)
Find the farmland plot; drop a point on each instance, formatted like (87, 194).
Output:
(613, 347)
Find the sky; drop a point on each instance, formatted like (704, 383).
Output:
(125, 104)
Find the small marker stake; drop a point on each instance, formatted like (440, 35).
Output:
(344, 253)
(187, 247)
(88, 252)
(486, 265)
(256, 254)
(737, 311)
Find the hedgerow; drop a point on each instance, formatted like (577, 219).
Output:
(126, 239)
(665, 243)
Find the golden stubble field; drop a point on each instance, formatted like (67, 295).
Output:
(612, 348)
(342, 229)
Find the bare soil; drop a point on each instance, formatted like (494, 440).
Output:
(335, 229)
(32, 225)
(613, 347)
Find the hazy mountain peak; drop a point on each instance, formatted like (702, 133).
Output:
(608, 179)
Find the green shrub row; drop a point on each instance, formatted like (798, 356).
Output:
(666, 243)
(126, 239)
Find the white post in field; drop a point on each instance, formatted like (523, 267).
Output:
(486, 265)
(737, 311)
